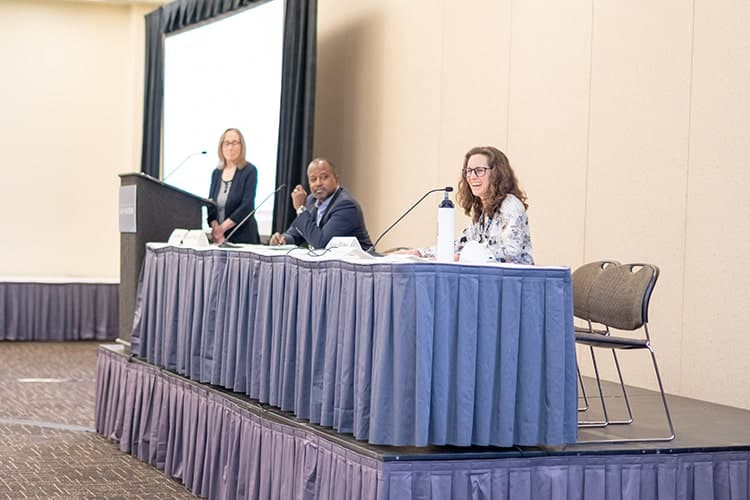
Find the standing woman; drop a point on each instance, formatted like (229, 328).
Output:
(233, 186)
(489, 193)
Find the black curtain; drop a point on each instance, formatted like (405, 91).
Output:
(297, 86)
(297, 104)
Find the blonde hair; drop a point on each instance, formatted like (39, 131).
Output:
(242, 162)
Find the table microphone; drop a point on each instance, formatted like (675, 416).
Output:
(447, 189)
(183, 162)
(226, 242)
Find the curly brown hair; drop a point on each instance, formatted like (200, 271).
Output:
(503, 182)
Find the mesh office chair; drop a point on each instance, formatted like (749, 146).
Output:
(619, 298)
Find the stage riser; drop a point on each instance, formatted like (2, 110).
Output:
(220, 449)
(38, 311)
(203, 439)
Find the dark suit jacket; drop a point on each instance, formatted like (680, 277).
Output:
(240, 202)
(343, 217)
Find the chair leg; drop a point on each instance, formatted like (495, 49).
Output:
(596, 423)
(663, 398)
(671, 435)
(583, 391)
(629, 420)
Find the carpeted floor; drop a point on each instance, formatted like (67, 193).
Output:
(48, 447)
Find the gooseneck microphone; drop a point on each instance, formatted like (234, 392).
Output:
(226, 242)
(446, 189)
(183, 162)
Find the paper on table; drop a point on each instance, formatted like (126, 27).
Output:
(282, 247)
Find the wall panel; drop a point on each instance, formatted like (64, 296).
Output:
(67, 131)
(638, 150)
(548, 122)
(716, 349)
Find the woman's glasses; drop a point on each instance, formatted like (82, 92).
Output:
(478, 171)
(229, 144)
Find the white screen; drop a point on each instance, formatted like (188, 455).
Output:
(221, 75)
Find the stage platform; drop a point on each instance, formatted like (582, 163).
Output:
(223, 445)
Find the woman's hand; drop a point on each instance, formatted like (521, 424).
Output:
(277, 239)
(218, 231)
(227, 225)
(217, 234)
(408, 251)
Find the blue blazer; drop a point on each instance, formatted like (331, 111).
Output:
(343, 217)
(240, 202)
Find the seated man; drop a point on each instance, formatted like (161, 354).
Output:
(329, 211)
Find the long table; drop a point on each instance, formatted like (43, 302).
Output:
(394, 352)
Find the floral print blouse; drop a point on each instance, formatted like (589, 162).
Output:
(506, 235)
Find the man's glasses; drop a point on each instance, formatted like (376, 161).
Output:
(478, 171)
(229, 144)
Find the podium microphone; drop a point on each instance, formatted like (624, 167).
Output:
(446, 189)
(183, 162)
(226, 243)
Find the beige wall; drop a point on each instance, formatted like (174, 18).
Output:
(71, 100)
(626, 123)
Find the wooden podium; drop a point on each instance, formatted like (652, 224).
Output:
(149, 211)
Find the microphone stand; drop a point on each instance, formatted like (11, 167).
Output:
(447, 189)
(179, 165)
(226, 243)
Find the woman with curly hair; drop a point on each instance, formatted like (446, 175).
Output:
(489, 193)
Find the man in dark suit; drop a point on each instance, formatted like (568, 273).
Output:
(327, 212)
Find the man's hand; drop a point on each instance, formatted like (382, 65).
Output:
(299, 195)
(277, 239)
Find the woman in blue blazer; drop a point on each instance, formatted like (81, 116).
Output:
(233, 186)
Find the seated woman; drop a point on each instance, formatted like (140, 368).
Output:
(489, 193)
